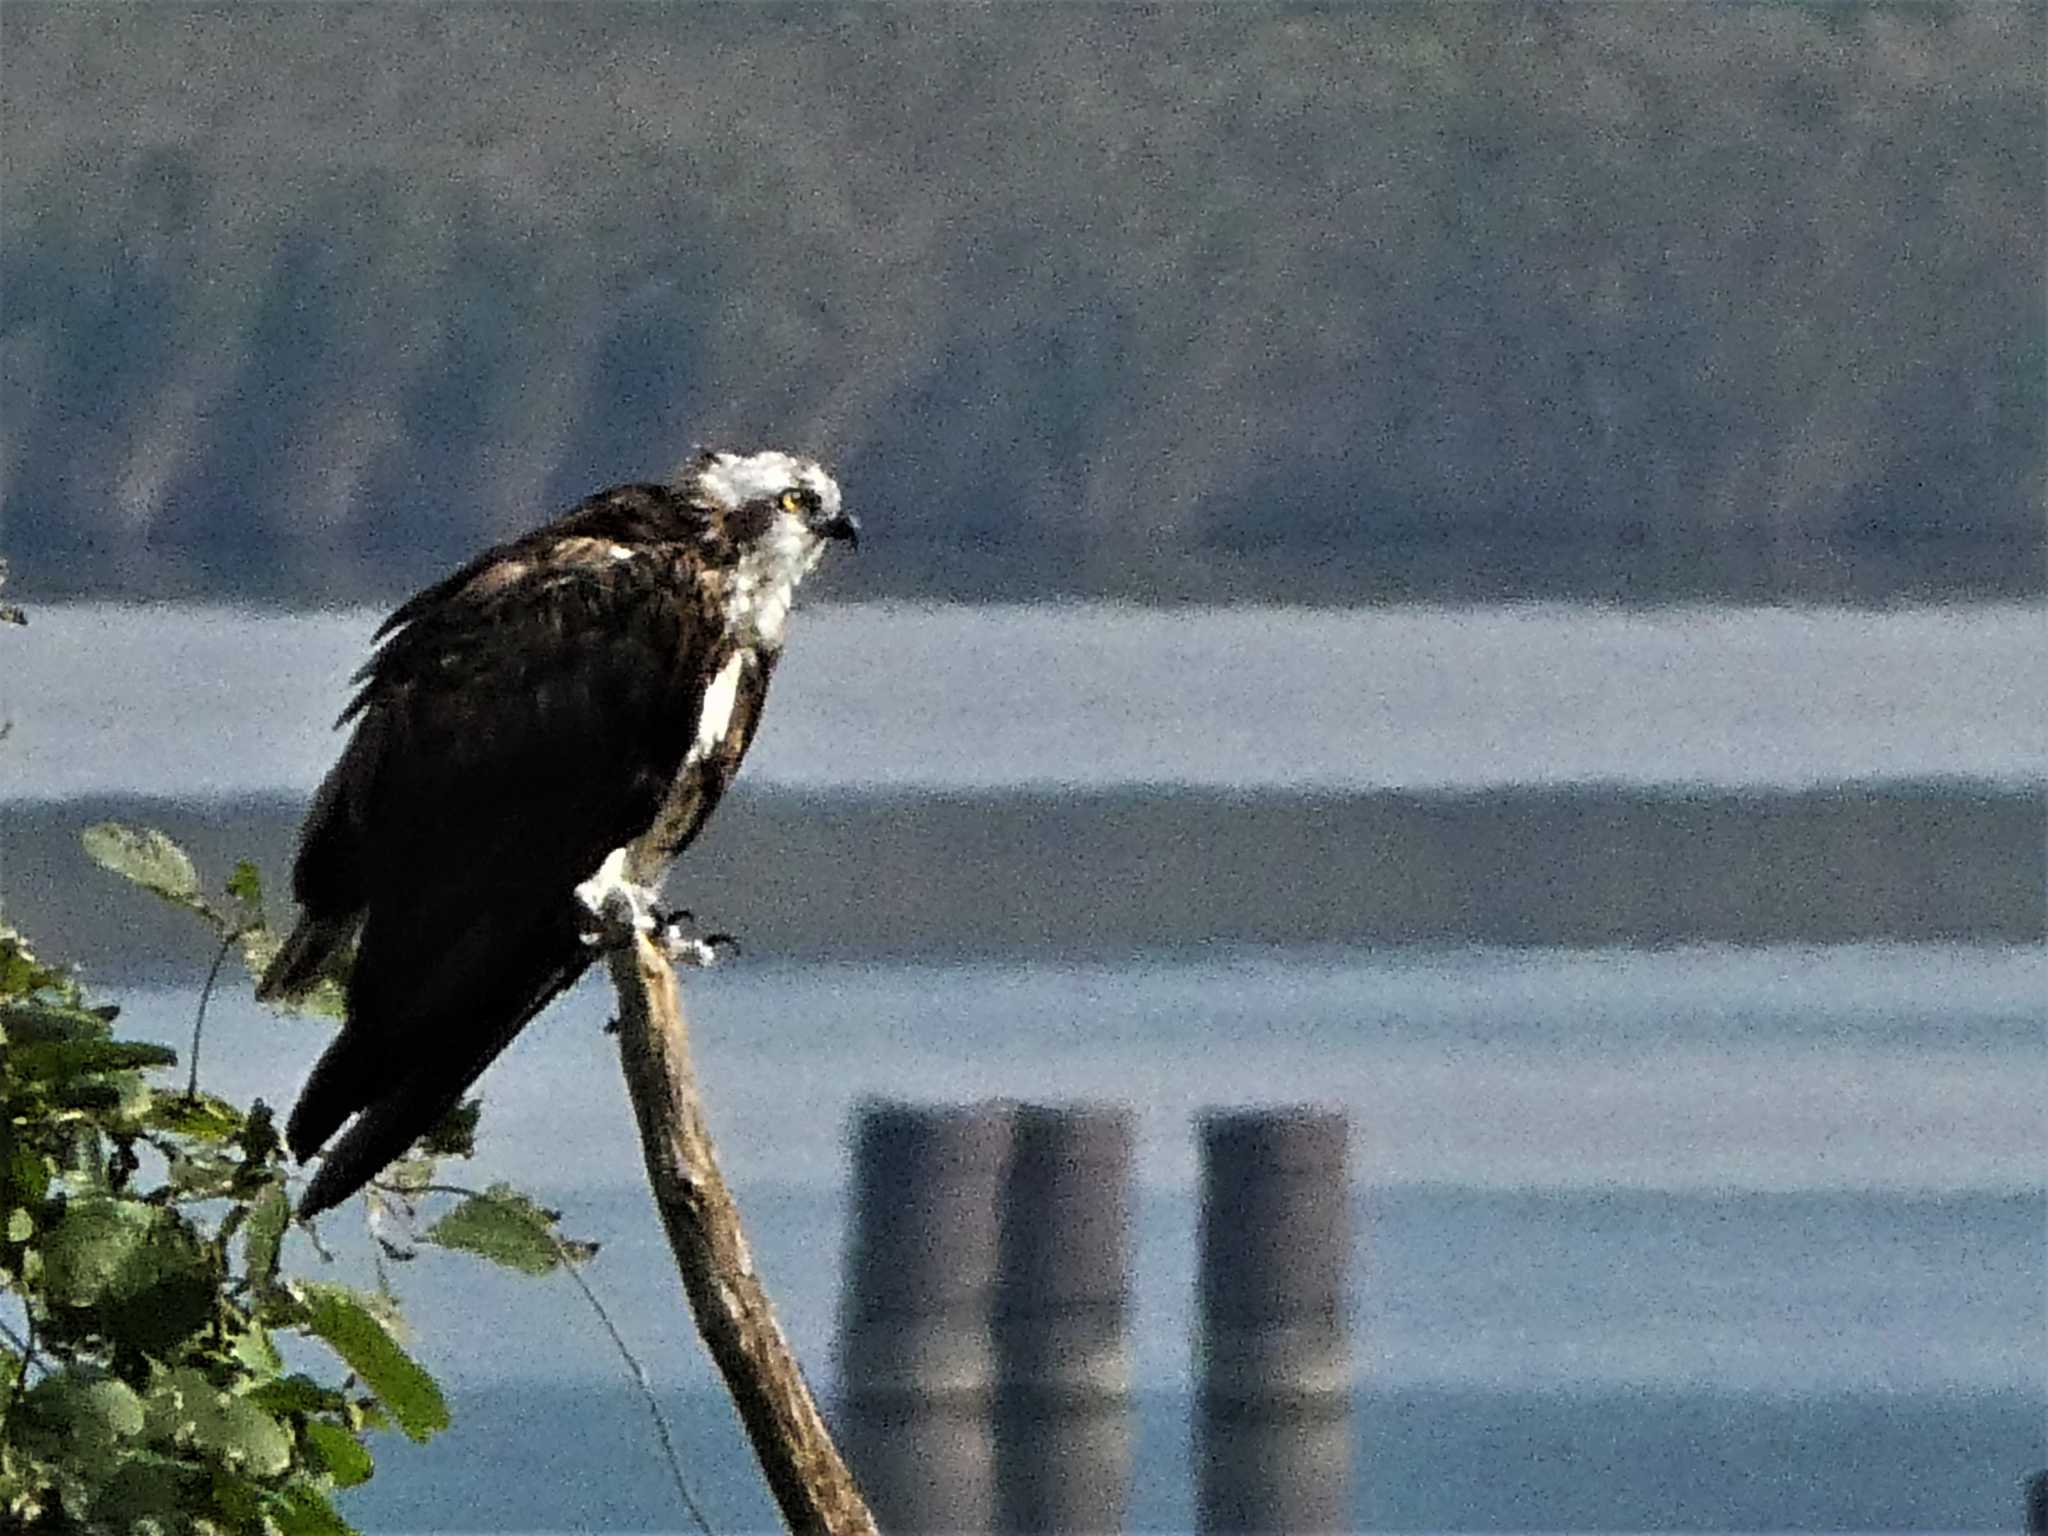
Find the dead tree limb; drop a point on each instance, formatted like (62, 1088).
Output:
(804, 1470)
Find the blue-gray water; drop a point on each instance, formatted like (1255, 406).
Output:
(1679, 1238)
(197, 702)
(1695, 1239)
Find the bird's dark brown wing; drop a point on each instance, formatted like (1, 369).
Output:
(509, 735)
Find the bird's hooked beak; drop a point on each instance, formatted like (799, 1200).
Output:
(840, 525)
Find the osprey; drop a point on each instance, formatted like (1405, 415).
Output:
(566, 708)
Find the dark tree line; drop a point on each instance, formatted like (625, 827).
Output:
(1612, 301)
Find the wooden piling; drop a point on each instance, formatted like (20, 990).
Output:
(916, 1357)
(1061, 1323)
(1273, 1449)
(2037, 1504)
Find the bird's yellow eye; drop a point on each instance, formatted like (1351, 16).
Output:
(793, 502)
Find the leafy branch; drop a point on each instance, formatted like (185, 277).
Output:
(144, 1233)
(140, 1232)
(157, 864)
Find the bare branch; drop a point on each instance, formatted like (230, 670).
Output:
(803, 1468)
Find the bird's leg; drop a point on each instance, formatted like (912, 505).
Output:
(677, 933)
(618, 908)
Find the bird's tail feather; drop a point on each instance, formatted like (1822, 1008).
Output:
(338, 1087)
(424, 1052)
(394, 1121)
(381, 1133)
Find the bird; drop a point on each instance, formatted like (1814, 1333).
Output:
(563, 712)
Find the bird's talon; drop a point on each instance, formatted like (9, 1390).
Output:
(679, 939)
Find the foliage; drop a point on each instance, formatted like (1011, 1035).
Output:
(150, 859)
(161, 1366)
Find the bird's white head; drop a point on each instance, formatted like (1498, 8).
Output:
(732, 480)
(772, 514)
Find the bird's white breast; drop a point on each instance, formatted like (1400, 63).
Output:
(715, 718)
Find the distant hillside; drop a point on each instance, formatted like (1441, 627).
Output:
(1618, 301)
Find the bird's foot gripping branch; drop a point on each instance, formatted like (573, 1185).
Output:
(620, 910)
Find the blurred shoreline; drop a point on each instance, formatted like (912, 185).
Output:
(1047, 876)
(1095, 780)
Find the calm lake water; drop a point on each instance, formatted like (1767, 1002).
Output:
(1684, 1238)
(196, 702)
(1613, 1207)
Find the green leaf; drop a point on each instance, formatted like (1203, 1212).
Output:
(327, 998)
(455, 1135)
(408, 1175)
(151, 1493)
(113, 1100)
(264, 1235)
(34, 1020)
(353, 1332)
(253, 1351)
(22, 974)
(21, 1226)
(259, 947)
(24, 1170)
(61, 1060)
(83, 1413)
(346, 1458)
(244, 1436)
(303, 1510)
(203, 1118)
(131, 1270)
(238, 1498)
(502, 1225)
(93, 1251)
(81, 1152)
(147, 857)
(189, 1411)
(366, 1413)
(258, 1137)
(245, 889)
(203, 1175)
(299, 1393)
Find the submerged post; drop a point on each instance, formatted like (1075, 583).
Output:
(1273, 1449)
(916, 1360)
(1063, 1399)
(811, 1485)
